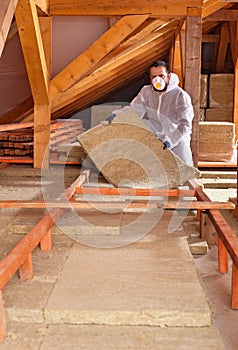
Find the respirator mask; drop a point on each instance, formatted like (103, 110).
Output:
(159, 84)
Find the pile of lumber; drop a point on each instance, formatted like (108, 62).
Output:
(16, 143)
(20, 141)
(64, 146)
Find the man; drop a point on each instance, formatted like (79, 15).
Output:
(166, 110)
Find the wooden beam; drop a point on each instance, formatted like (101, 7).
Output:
(120, 204)
(171, 8)
(177, 60)
(211, 6)
(223, 15)
(43, 6)
(125, 56)
(100, 48)
(192, 75)
(233, 30)
(7, 10)
(21, 111)
(12, 31)
(32, 47)
(42, 115)
(235, 109)
(133, 191)
(222, 49)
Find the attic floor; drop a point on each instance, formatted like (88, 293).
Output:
(32, 325)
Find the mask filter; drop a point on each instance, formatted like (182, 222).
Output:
(158, 83)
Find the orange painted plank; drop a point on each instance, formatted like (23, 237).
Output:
(12, 262)
(133, 191)
(234, 294)
(222, 257)
(223, 229)
(46, 242)
(3, 330)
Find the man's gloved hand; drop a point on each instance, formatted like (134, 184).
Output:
(166, 145)
(110, 118)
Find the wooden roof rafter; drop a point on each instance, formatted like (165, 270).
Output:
(7, 10)
(32, 47)
(118, 62)
(105, 44)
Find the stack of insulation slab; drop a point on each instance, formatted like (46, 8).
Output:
(216, 141)
(221, 96)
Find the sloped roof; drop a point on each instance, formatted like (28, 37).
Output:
(140, 33)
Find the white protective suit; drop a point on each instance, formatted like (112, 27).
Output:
(168, 116)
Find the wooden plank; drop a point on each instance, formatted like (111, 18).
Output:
(7, 127)
(33, 51)
(233, 30)
(3, 330)
(42, 114)
(222, 257)
(121, 204)
(223, 15)
(211, 6)
(45, 24)
(134, 191)
(235, 61)
(12, 262)
(192, 75)
(234, 287)
(216, 164)
(224, 231)
(21, 111)
(7, 10)
(43, 5)
(46, 242)
(99, 49)
(172, 8)
(177, 61)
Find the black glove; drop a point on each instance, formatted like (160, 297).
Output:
(166, 145)
(110, 118)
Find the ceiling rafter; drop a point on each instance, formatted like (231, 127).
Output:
(100, 48)
(149, 43)
(7, 10)
(211, 6)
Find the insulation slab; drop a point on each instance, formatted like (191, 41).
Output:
(129, 155)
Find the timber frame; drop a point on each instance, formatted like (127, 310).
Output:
(138, 34)
(20, 257)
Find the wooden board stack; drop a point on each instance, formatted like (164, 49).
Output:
(20, 142)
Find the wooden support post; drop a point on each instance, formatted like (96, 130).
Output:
(26, 269)
(234, 293)
(207, 230)
(193, 73)
(222, 257)
(46, 242)
(199, 211)
(2, 319)
(42, 115)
